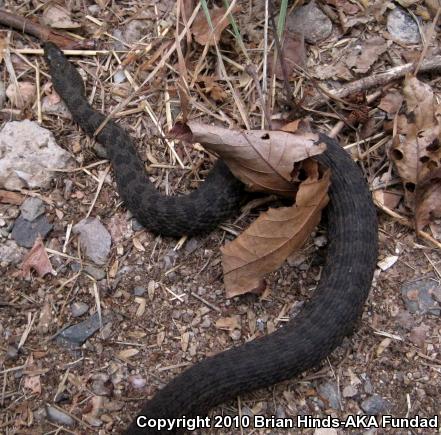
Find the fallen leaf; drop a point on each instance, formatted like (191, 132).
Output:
(228, 323)
(127, 353)
(22, 95)
(388, 198)
(265, 245)
(293, 55)
(428, 199)
(262, 159)
(33, 383)
(365, 54)
(8, 197)
(391, 102)
(213, 89)
(416, 152)
(345, 6)
(203, 32)
(387, 262)
(36, 259)
(383, 346)
(58, 17)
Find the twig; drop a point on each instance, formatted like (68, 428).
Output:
(374, 80)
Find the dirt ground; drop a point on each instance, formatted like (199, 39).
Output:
(162, 302)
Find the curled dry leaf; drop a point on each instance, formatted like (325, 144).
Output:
(429, 199)
(58, 17)
(364, 55)
(22, 95)
(202, 30)
(228, 323)
(417, 154)
(8, 197)
(36, 259)
(265, 245)
(293, 55)
(262, 159)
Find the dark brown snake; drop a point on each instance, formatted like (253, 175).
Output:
(304, 341)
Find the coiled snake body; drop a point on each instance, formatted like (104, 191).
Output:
(304, 341)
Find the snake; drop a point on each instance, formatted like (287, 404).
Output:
(331, 313)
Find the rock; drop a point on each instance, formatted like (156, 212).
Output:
(325, 431)
(79, 308)
(10, 253)
(95, 272)
(403, 27)
(418, 335)
(59, 417)
(136, 226)
(137, 381)
(310, 20)
(420, 296)
(25, 232)
(94, 239)
(349, 391)
(28, 153)
(375, 405)
(320, 241)
(135, 30)
(330, 393)
(139, 291)
(32, 208)
(58, 108)
(76, 335)
(2, 94)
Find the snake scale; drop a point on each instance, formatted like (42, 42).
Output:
(301, 343)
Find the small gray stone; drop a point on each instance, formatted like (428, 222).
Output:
(95, 272)
(403, 27)
(310, 20)
(59, 417)
(10, 253)
(94, 239)
(375, 405)
(419, 296)
(136, 226)
(79, 308)
(139, 291)
(76, 335)
(2, 94)
(25, 232)
(32, 208)
(349, 391)
(330, 393)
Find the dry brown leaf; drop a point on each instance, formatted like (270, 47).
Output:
(128, 353)
(36, 259)
(228, 323)
(293, 55)
(33, 383)
(391, 102)
(388, 198)
(201, 29)
(22, 95)
(364, 55)
(262, 159)
(8, 197)
(58, 17)
(428, 199)
(265, 245)
(345, 6)
(417, 154)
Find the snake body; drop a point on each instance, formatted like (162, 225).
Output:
(301, 343)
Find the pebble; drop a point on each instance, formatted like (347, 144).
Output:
(25, 232)
(349, 391)
(59, 417)
(403, 27)
(420, 296)
(375, 405)
(311, 21)
(76, 335)
(10, 253)
(32, 208)
(77, 309)
(95, 272)
(330, 393)
(139, 291)
(94, 239)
